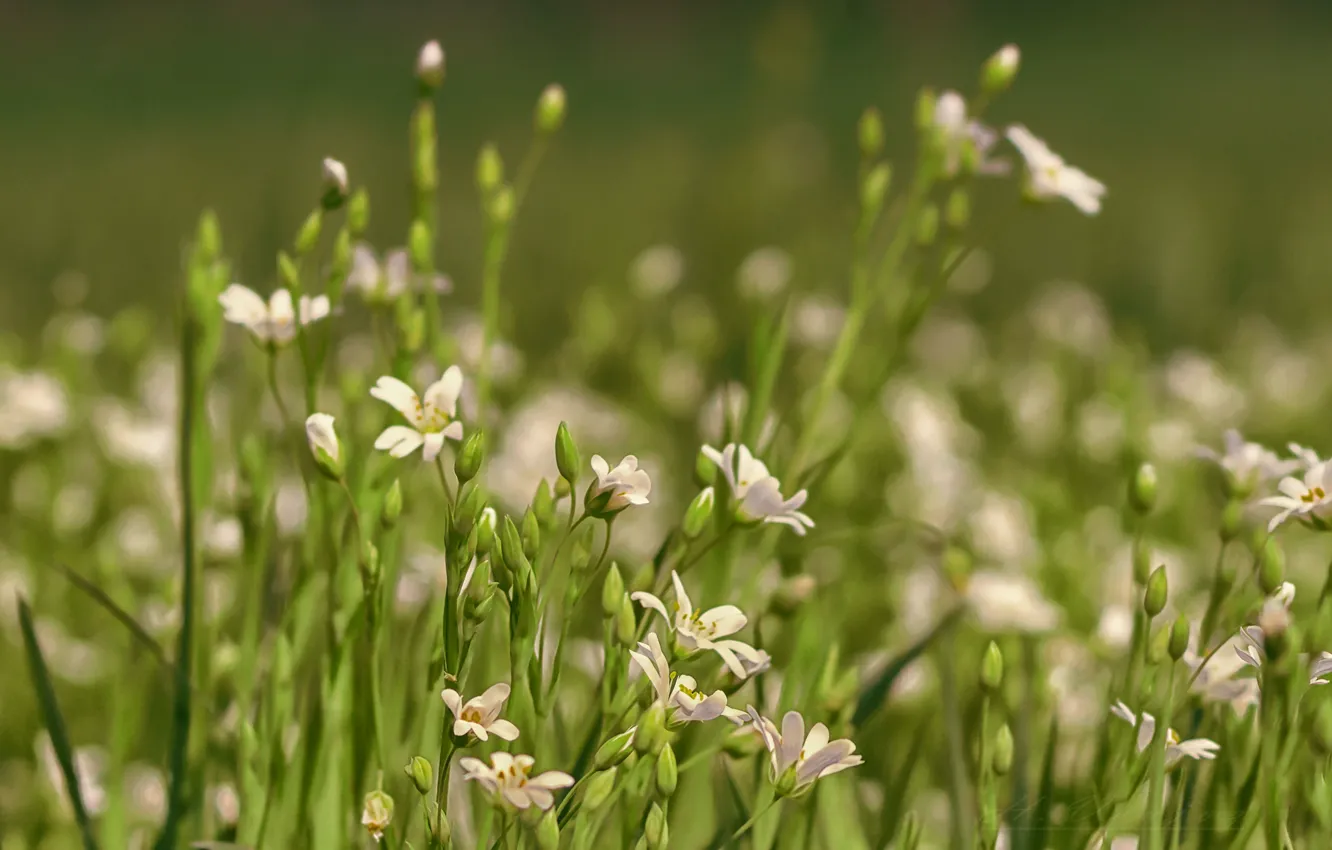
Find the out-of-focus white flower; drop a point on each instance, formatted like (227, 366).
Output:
(679, 694)
(1009, 602)
(335, 175)
(33, 405)
(656, 271)
(430, 64)
(817, 321)
(764, 273)
(89, 766)
(506, 362)
(1100, 428)
(1115, 628)
(679, 383)
(1198, 381)
(432, 419)
(618, 488)
(321, 436)
(377, 814)
(724, 411)
(130, 438)
(509, 781)
(1049, 177)
(226, 802)
(290, 506)
(1001, 530)
(223, 537)
(479, 716)
(758, 493)
(1217, 680)
(1194, 748)
(73, 508)
(383, 283)
(272, 322)
(966, 142)
(1074, 317)
(804, 757)
(703, 630)
(1306, 499)
(147, 792)
(1247, 465)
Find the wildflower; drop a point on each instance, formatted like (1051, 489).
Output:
(797, 759)
(1009, 602)
(698, 630)
(965, 142)
(1194, 748)
(508, 779)
(764, 273)
(618, 488)
(324, 446)
(335, 176)
(432, 420)
(678, 694)
(272, 323)
(377, 814)
(1307, 499)
(479, 716)
(383, 282)
(430, 65)
(32, 405)
(1048, 176)
(1218, 682)
(1247, 465)
(757, 492)
(1305, 456)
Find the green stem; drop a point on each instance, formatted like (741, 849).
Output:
(497, 242)
(1153, 827)
(749, 824)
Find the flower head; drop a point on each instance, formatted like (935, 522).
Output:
(618, 488)
(1308, 498)
(966, 143)
(432, 419)
(757, 493)
(1247, 465)
(479, 716)
(799, 759)
(508, 779)
(383, 282)
(702, 630)
(272, 323)
(430, 65)
(335, 176)
(377, 814)
(1194, 748)
(678, 694)
(1049, 177)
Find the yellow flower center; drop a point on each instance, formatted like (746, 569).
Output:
(471, 715)
(1315, 494)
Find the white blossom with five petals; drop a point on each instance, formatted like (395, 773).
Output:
(382, 282)
(756, 491)
(272, 322)
(509, 780)
(1308, 498)
(1247, 464)
(679, 694)
(1194, 748)
(1049, 177)
(809, 757)
(432, 418)
(620, 487)
(479, 716)
(703, 630)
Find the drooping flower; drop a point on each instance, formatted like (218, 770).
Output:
(1049, 177)
(618, 488)
(799, 759)
(273, 322)
(1306, 498)
(757, 493)
(966, 143)
(383, 282)
(508, 779)
(1194, 748)
(479, 716)
(702, 630)
(432, 419)
(377, 814)
(679, 694)
(1247, 465)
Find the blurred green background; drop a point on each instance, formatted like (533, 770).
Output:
(717, 127)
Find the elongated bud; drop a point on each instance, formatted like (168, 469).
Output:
(957, 211)
(358, 212)
(650, 736)
(626, 626)
(489, 170)
(208, 238)
(413, 330)
(614, 750)
(667, 772)
(421, 773)
(999, 70)
(1003, 750)
(543, 505)
(874, 188)
(1154, 600)
(992, 667)
(1271, 567)
(705, 471)
(288, 275)
(335, 183)
(699, 513)
(1179, 638)
(869, 133)
(566, 455)
(1142, 489)
(324, 445)
(485, 531)
(392, 504)
(612, 591)
(511, 549)
(419, 248)
(308, 236)
(550, 109)
(501, 206)
(531, 535)
(430, 65)
(468, 461)
(370, 562)
(1142, 562)
(655, 830)
(599, 786)
(548, 832)
(1232, 520)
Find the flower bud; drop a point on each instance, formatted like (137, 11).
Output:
(208, 238)
(543, 505)
(489, 170)
(308, 236)
(992, 667)
(874, 188)
(548, 832)
(421, 773)
(1003, 750)
(413, 326)
(614, 750)
(1142, 562)
(371, 564)
(502, 205)
(705, 471)
(667, 772)
(1154, 600)
(324, 445)
(467, 463)
(999, 70)
(1232, 520)
(1271, 567)
(358, 212)
(511, 549)
(698, 513)
(1142, 489)
(655, 830)
(335, 183)
(650, 734)
(566, 455)
(957, 210)
(531, 535)
(550, 109)
(600, 785)
(1179, 638)
(626, 626)
(612, 591)
(485, 531)
(377, 814)
(392, 505)
(430, 65)
(419, 247)
(869, 132)
(288, 275)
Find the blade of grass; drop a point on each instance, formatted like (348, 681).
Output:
(138, 632)
(55, 724)
(873, 697)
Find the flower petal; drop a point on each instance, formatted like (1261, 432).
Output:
(400, 397)
(243, 306)
(443, 394)
(399, 440)
(647, 600)
(504, 729)
(433, 445)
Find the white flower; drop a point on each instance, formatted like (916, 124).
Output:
(272, 323)
(1307, 499)
(1218, 680)
(479, 716)
(764, 273)
(808, 757)
(382, 283)
(1009, 602)
(678, 694)
(335, 175)
(1305, 456)
(699, 630)
(656, 271)
(1194, 748)
(320, 435)
(1048, 176)
(757, 492)
(620, 487)
(432, 420)
(508, 778)
(964, 139)
(377, 814)
(1247, 464)
(430, 64)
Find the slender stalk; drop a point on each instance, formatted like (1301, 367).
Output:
(497, 245)
(1153, 827)
(749, 824)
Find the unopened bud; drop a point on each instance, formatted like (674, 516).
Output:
(1154, 600)
(614, 750)
(1271, 567)
(467, 463)
(548, 832)
(531, 535)
(419, 247)
(543, 505)
(335, 183)
(1142, 489)
(612, 591)
(874, 188)
(208, 238)
(430, 65)
(502, 205)
(489, 170)
(999, 70)
(992, 667)
(599, 786)
(308, 236)
(869, 132)
(957, 210)
(626, 625)
(1232, 520)
(485, 531)
(392, 504)
(550, 109)
(699, 513)
(667, 771)
(705, 471)
(1142, 562)
(1003, 750)
(421, 773)
(324, 446)
(655, 830)
(288, 275)
(566, 455)
(650, 735)
(358, 212)
(1179, 638)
